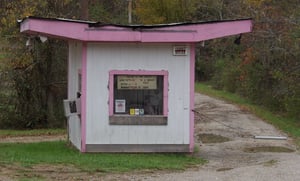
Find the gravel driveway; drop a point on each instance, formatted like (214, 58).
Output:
(229, 161)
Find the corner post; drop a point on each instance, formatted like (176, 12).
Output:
(83, 96)
(192, 95)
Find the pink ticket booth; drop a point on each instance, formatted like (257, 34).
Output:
(136, 82)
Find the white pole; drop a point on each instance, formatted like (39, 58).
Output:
(271, 137)
(129, 11)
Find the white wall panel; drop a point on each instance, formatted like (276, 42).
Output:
(74, 65)
(105, 57)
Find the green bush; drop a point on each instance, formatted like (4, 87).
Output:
(292, 104)
(227, 74)
(204, 69)
(231, 76)
(216, 80)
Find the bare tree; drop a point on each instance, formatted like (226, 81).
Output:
(84, 9)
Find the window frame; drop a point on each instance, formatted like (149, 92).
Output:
(147, 119)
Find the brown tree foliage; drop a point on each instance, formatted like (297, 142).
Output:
(265, 67)
(34, 76)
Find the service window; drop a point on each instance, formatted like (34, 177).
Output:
(138, 97)
(138, 94)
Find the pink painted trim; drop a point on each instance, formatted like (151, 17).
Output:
(138, 72)
(83, 96)
(164, 73)
(183, 33)
(68, 72)
(111, 93)
(165, 94)
(192, 95)
(69, 87)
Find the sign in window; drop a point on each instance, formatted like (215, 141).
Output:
(138, 94)
(141, 82)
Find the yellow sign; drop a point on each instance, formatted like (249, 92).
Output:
(132, 111)
(137, 82)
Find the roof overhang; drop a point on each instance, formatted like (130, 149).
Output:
(96, 32)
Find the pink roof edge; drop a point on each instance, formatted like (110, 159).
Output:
(93, 32)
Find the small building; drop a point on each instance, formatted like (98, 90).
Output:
(136, 82)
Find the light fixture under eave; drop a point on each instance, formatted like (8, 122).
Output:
(43, 39)
(237, 41)
(28, 42)
(203, 43)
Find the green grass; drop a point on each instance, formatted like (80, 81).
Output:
(289, 125)
(2, 56)
(34, 132)
(28, 154)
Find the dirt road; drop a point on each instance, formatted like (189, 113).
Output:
(30, 139)
(236, 159)
(225, 136)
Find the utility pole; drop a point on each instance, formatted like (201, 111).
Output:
(129, 11)
(84, 9)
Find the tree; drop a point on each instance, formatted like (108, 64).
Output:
(37, 72)
(84, 11)
(164, 11)
(265, 67)
(114, 11)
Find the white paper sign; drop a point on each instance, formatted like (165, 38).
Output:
(72, 107)
(134, 82)
(120, 106)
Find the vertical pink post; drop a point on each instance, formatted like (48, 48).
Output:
(111, 92)
(192, 94)
(83, 96)
(165, 93)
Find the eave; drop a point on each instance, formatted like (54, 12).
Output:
(95, 32)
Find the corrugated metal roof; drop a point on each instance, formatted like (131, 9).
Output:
(133, 26)
(56, 19)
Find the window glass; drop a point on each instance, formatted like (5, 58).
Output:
(138, 94)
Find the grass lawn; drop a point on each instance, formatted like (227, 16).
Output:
(28, 154)
(289, 125)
